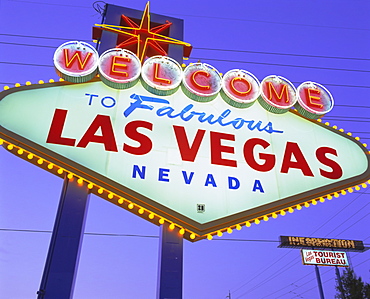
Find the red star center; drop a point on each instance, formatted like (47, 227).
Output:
(147, 39)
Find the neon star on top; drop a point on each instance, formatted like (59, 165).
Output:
(143, 36)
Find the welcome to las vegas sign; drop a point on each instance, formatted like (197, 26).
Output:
(205, 152)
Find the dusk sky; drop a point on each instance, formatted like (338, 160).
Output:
(322, 41)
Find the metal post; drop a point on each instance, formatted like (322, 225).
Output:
(64, 251)
(319, 282)
(339, 282)
(170, 263)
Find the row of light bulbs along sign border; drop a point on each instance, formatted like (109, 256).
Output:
(79, 75)
(152, 217)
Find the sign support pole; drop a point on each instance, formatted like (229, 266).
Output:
(170, 263)
(65, 245)
(319, 282)
(339, 281)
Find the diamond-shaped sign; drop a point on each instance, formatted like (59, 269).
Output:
(205, 167)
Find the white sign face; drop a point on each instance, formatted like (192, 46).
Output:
(208, 164)
(324, 258)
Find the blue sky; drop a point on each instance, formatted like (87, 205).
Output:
(327, 42)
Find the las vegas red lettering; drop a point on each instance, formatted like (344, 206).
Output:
(293, 157)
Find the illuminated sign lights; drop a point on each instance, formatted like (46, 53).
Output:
(141, 38)
(310, 103)
(240, 88)
(76, 61)
(61, 166)
(309, 242)
(324, 258)
(201, 82)
(119, 68)
(278, 94)
(161, 75)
